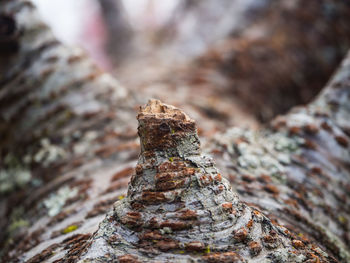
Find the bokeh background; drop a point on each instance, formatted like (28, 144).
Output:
(240, 61)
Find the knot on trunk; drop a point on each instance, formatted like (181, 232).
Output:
(164, 128)
(180, 209)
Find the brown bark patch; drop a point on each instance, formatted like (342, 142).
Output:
(226, 257)
(175, 225)
(195, 246)
(342, 141)
(240, 235)
(153, 197)
(254, 248)
(298, 243)
(166, 245)
(128, 259)
(123, 173)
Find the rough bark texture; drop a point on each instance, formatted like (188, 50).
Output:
(179, 208)
(292, 179)
(45, 86)
(55, 106)
(299, 174)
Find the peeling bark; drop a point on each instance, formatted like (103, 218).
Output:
(180, 209)
(289, 200)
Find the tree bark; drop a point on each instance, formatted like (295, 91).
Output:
(55, 106)
(288, 48)
(289, 200)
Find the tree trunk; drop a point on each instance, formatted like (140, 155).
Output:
(289, 48)
(119, 41)
(289, 200)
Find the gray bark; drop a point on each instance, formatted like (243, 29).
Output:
(69, 127)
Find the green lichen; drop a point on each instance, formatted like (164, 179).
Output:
(18, 224)
(282, 143)
(17, 221)
(166, 230)
(69, 229)
(207, 249)
(261, 152)
(55, 202)
(49, 153)
(85, 144)
(13, 175)
(13, 178)
(342, 219)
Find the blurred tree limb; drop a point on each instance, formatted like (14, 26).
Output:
(69, 125)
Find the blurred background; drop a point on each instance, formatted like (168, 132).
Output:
(241, 62)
